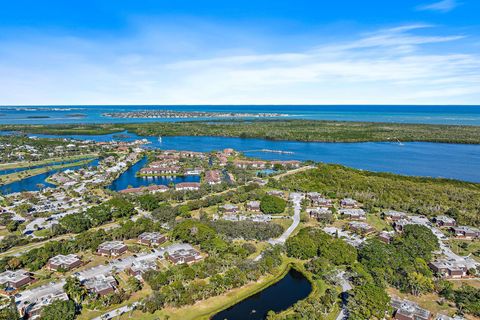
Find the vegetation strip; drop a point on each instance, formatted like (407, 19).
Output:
(296, 130)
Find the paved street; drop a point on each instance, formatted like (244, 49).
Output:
(297, 206)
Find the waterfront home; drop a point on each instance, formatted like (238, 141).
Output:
(192, 154)
(187, 186)
(253, 206)
(229, 208)
(111, 248)
(151, 189)
(465, 232)
(160, 170)
(361, 227)
(250, 164)
(151, 238)
(386, 236)
(444, 221)
(15, 279)
(163, 164)
(288, 164)
(392, 215)
(101, 284)
(213, 177)
(408, 310)
(64, 262)
(349, 203)
(353, 214)
(449, 268)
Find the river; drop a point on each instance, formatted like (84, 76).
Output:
(453, 161)
(277, 297)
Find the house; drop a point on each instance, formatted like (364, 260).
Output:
(33, 310)
(318, 213)
(408, 310)
(229, 208)
(250, 164)
(160, 170)
(317, 199)
(444, 221)
(192, 154)
(386, 236)
(63, 262)
(15, 279)
(253, 206)
(112, 248)
(152, 189)
(141, 266)
(394, 215)
(101, 284)
(349, 203)
(400, 224)
(213, 177)
(361, 227)
(465, 232)
(183, 254)
(187, 186)
(277, 193)
(353, 214)
(287, 164)
(151, 238)
(443, 317)
(449, 268)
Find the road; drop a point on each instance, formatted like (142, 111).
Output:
(297, 207)
(117, 312)
(346, 286)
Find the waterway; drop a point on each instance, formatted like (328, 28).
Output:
(129, 178)
(455, 115)
(277, 297)
(439, 160)
(38, 182)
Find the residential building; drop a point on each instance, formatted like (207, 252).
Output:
(160, 170)
(449, 268)
(34, 309)
(349, 203)
(253, 206)
(101, 284)
(139, 267)
(287, 164)
(386, 236)
(361, 227)
(151, 238)
(465, 232)
(62, 262)
(112, 248)
(353, 214)
(318, 212)
(250, 164)
(229, 208)
(408, 310)
(213, 177)
(444, 221)
(394, 215)
(181, 256)
(15, 279)
(187, 186)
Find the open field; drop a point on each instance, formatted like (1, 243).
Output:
(25, 164)
(298, 130)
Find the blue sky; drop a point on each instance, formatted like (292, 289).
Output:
(243, 52)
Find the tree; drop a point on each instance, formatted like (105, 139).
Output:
(75, 223)
(59, 310)
(368, 302)
(134, 284)
(272, 204)
(75, 290)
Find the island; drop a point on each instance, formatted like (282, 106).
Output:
(188, 114)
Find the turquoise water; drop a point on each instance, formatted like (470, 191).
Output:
(458, 115)
(455, 161)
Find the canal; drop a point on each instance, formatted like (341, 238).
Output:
(277, 297)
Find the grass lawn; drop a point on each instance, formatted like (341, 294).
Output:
(25, 164)
(378, 223)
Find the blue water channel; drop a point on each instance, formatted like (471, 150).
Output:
(38, 182)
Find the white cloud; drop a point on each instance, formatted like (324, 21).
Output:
(388, 66)
(440, 6)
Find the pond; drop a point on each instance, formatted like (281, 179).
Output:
(278, 297)
(129, 178)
